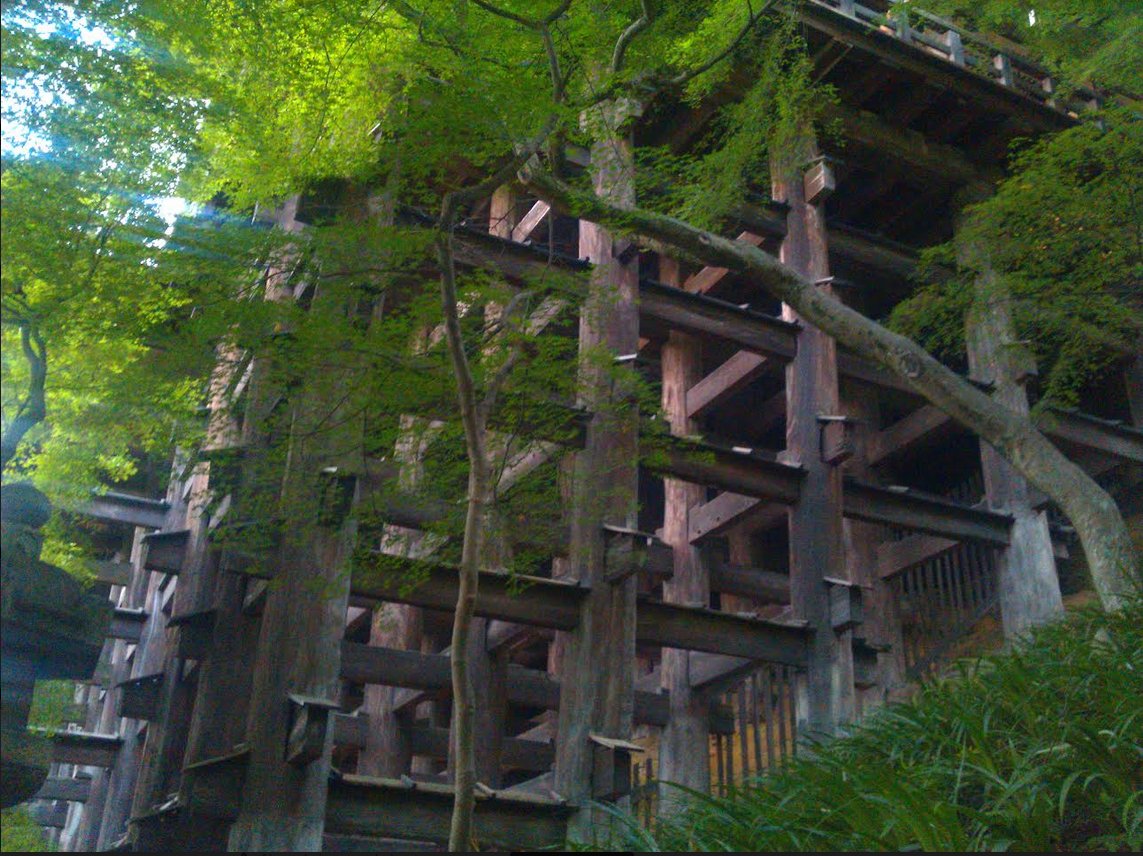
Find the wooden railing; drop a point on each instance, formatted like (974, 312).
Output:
(969, 50)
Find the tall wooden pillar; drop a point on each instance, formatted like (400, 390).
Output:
(297, 669)
(684, 742)
(387, 751)
(1028, 586)
(882, 615)
(283, 801)
(597, 674)
(826, 696)
(161, 763)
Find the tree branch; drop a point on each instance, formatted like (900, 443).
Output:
(627, 36)
(33, 409)
(1112, 557)
(752, 19)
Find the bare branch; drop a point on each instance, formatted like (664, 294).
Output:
(751, 20)
(627, 36)
(530, 23)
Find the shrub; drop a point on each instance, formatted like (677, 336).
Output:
(1037, 749)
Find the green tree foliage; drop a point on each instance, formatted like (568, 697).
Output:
(20, 834)
(1086, 42)
(1065, 233)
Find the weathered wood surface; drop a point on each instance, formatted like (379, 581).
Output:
(974, 87)
(816, 547)
(893, 557)
(683, 743)
(927, 424)
(531, 221)
(127, 624)
(525, 687)
(522, 599)
(913, 509)
(126, 509)
(420, 811)
(386, 750)
(709, 277)
(730, 509)
(735, 374)
(85, 748)
(167, 551)
(754, 583)
(1029, 587)
(64, 788)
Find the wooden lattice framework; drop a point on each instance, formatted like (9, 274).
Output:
(774, 593)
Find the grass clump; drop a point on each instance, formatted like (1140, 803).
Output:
(1037, 749)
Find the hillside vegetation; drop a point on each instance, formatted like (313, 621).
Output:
(1040, 749)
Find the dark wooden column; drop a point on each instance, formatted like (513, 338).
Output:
(160, 767)
(882, 616)
(597, 674)
(387, 751)
(283, 803)
(684, 752)
(1028, 586)
(825, 696)
(297, 669)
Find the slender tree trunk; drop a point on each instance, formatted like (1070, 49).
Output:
(1115, 566)
(475, 435)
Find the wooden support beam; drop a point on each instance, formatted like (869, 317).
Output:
(716, 673)
(421, 810)
(845, 242)
(683, 744)
(825, 697)
(935, 69)
(524, 600)
(728, 469)
(432, 742)
(922, 425)
(113, 573)
(900, 148)
(726, 511)
(50, 815)
(526, 687)
(85, 748)
(912, 509)
(128, 510)
(127, 624)
(927, 423)
(531, 221)
(1080, 429)
(745, 473)
(755, 583)
(64, 788)
(662, 309)
(709, 277)
(515, 754)
(166, 551)
(699, 629)
(734, 374)
(139, 697)
(893, 557)
(506, 636)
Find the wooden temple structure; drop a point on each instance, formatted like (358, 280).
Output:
(827, 541)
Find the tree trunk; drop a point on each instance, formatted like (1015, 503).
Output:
(464, 710)
(1115, 567)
